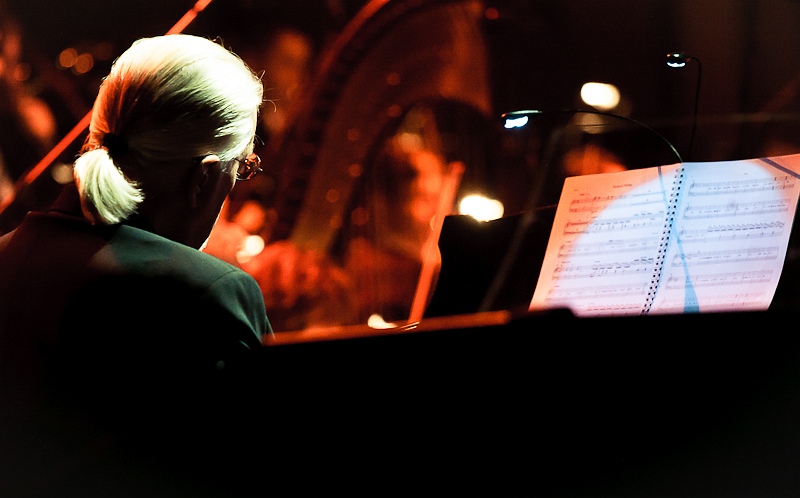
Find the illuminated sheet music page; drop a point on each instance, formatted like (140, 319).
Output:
(682, 238)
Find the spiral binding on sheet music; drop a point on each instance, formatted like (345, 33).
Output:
(672, 206)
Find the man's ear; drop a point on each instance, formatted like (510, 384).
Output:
(203, 180)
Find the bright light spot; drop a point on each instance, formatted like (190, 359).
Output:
(480, 207)
(410, 141)
(83, 64)
(676, 59)
(67, 57)
(61, 173)
(601, 96)
(516, 122)
(251, 247)
(376, 322)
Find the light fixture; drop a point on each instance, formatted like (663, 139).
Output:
(679, 60)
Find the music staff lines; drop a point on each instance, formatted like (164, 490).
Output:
(634, 266)
(716, 233)
(596, 203)
(560, 294)
(614, 309)
(723, 302)
(699, 258)
(717, 279)
(749, 185)
(611, 224)
(694, 212)
(573, 249)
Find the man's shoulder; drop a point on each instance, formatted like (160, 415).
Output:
(153, 253)
(183, 281)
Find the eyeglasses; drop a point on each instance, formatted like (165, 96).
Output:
(248, 167)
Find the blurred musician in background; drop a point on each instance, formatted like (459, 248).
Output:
(27, 124)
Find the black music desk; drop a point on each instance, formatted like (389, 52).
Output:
(543, 405)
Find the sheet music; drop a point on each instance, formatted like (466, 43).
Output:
(619, 246)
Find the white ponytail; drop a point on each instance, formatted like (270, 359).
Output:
(107, 197)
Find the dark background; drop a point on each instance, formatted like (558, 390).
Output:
(541, 52)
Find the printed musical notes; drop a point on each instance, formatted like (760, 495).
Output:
(681, 238)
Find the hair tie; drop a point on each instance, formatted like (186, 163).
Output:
(114, 144)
